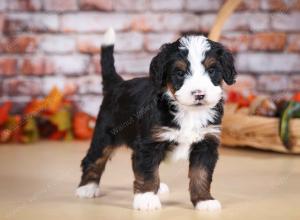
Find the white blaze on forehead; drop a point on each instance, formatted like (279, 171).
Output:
(197, 78)
(197, 47)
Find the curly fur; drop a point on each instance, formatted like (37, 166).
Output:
(150, 115)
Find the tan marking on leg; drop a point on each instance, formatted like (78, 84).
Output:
(94, 171)
(199, 184)
(141, 185)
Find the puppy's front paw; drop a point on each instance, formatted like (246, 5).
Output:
(89, 190)
(209, 205)
(146, 201)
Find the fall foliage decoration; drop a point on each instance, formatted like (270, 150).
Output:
(53, 117)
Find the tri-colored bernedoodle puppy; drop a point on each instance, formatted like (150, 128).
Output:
(175, 113)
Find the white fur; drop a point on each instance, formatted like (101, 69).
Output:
(198, 78)
(163, 188)
(209, 205)
(90, 190)
(146, 201)
(193, 122)
(109, 37)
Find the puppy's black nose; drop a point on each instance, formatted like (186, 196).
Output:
(198, 94)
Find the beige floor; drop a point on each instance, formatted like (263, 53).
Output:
(38, 182)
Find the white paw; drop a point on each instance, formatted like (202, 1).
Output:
(146, 201)
(209, 205)
(90, 190)
(163, 188)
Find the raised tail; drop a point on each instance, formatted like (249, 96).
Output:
(109, 75)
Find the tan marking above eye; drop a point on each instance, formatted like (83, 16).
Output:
(182, 65)
(208, 62)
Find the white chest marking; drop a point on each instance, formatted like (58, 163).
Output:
(194, 126)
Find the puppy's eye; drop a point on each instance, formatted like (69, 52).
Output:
(211, 71)
(180, 73)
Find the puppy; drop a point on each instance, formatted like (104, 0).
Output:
(173, 114)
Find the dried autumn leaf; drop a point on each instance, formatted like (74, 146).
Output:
(30, 131)
(62, 119)
(82, 125)
(53, 101)
(4, 112)
(13, 127)
(57, 135)
(34, 107)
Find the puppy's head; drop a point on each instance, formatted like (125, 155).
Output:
(192, 70)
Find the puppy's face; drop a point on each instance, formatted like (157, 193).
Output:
(192, 70)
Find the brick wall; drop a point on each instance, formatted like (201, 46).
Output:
(56, 42)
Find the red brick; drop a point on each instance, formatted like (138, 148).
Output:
(137, 63)
(49, 82)
(36, 66)
(130, 5)
(22, 22)
(20, 86)
(293, 43)
(203, 5)
(244, 83)
(102, 5)
(91, 84)
(94, 22)
(63, 44)
(167, 22)
(19, 44)
(269, 41)
(235, 41)
(273, 83)
(59, 5)
(247, 21)
(24, 5)
(89, 104)
(205, 22)
(70, 64)
(249, 5)
(1, 22)
(131, 41)
(8, 66)
(280, 5)
(56, 64)
(284, 22)
(95, 64)
(267, 62)
(295, 83)
(167, 5)
(154, 41)
(89, 43)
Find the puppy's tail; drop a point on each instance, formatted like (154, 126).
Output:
(109, 75)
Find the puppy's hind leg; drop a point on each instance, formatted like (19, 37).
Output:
(93, 164)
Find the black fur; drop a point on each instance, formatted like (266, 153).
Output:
(131, 110)
(225, 67)
(110, 76)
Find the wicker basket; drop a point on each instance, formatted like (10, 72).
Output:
(242, 130)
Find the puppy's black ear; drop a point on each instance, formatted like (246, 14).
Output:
(158, 66)
(226, 60)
